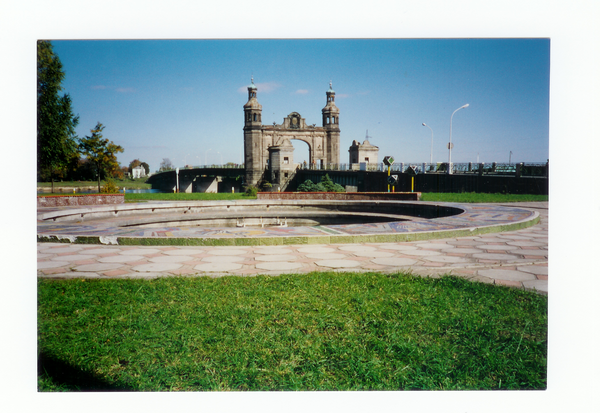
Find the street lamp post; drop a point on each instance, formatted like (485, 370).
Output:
(431, 153)
(450, 143)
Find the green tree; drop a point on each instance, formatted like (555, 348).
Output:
(133, 164)
(146, 168)
(101, 152)
(165, 165)
(56, 139)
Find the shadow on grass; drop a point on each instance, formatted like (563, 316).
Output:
(70, 378)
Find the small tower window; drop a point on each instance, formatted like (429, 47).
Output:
(255, 117)
(286, 160)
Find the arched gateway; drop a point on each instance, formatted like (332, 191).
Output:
(323, 141)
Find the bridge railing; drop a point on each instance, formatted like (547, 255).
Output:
(490, 168)
(487, 168)
(215, 166)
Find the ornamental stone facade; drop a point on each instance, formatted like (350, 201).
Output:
(323, 141)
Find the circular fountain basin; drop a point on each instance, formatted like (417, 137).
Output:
(273, 221)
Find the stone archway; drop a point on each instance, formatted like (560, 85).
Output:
(302, 153)
(323, 141)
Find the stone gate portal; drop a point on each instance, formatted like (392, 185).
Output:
(323, 141)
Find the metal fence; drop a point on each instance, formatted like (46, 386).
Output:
(488, 168)
(491, 168)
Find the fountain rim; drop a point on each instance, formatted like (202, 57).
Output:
(471, 221)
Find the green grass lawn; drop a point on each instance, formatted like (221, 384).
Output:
(319, 331)
(435, 197)
(469, 197)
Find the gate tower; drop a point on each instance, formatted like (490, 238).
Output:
(323, 141)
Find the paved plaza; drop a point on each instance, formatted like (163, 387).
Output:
(514, 258)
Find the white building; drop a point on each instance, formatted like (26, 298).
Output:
(138, 172)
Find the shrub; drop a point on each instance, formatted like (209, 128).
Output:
(307, 186)
(110, 187)
(326, 185)
(251, 190)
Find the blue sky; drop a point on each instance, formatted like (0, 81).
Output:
(183, 99)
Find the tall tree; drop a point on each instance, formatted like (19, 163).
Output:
(133, 164)
(146, 168)
(165, 165)
(56, 139)
(101, 152)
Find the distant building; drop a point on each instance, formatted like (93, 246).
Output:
(138, 172)
(363, 153)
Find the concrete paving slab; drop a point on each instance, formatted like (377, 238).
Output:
(102, 250)
(327, 256)
(514, 237)
(373, 254)
(337, 263)
(538, 285)
(97, 267)
(72, 275)
(185, 251)
(73, 257)
(534, 269)
(394, 262)
(222, 259)
(273, 258)
(357, 248)
(61, 249)
(217, 267)
(121, 258)
(541, 253)
(461, 250)
(437, 246)
(508, 275)
(279, 266)
(466, 243)
(399, 247)
(315, 250)
(446, 259)
(496, 247)
(526, 243)
(140, 251)
(424, 253)
(156, 267)
(495, 256)
(171, 258)
(222, 251)
(272, 251)
(52, 264)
